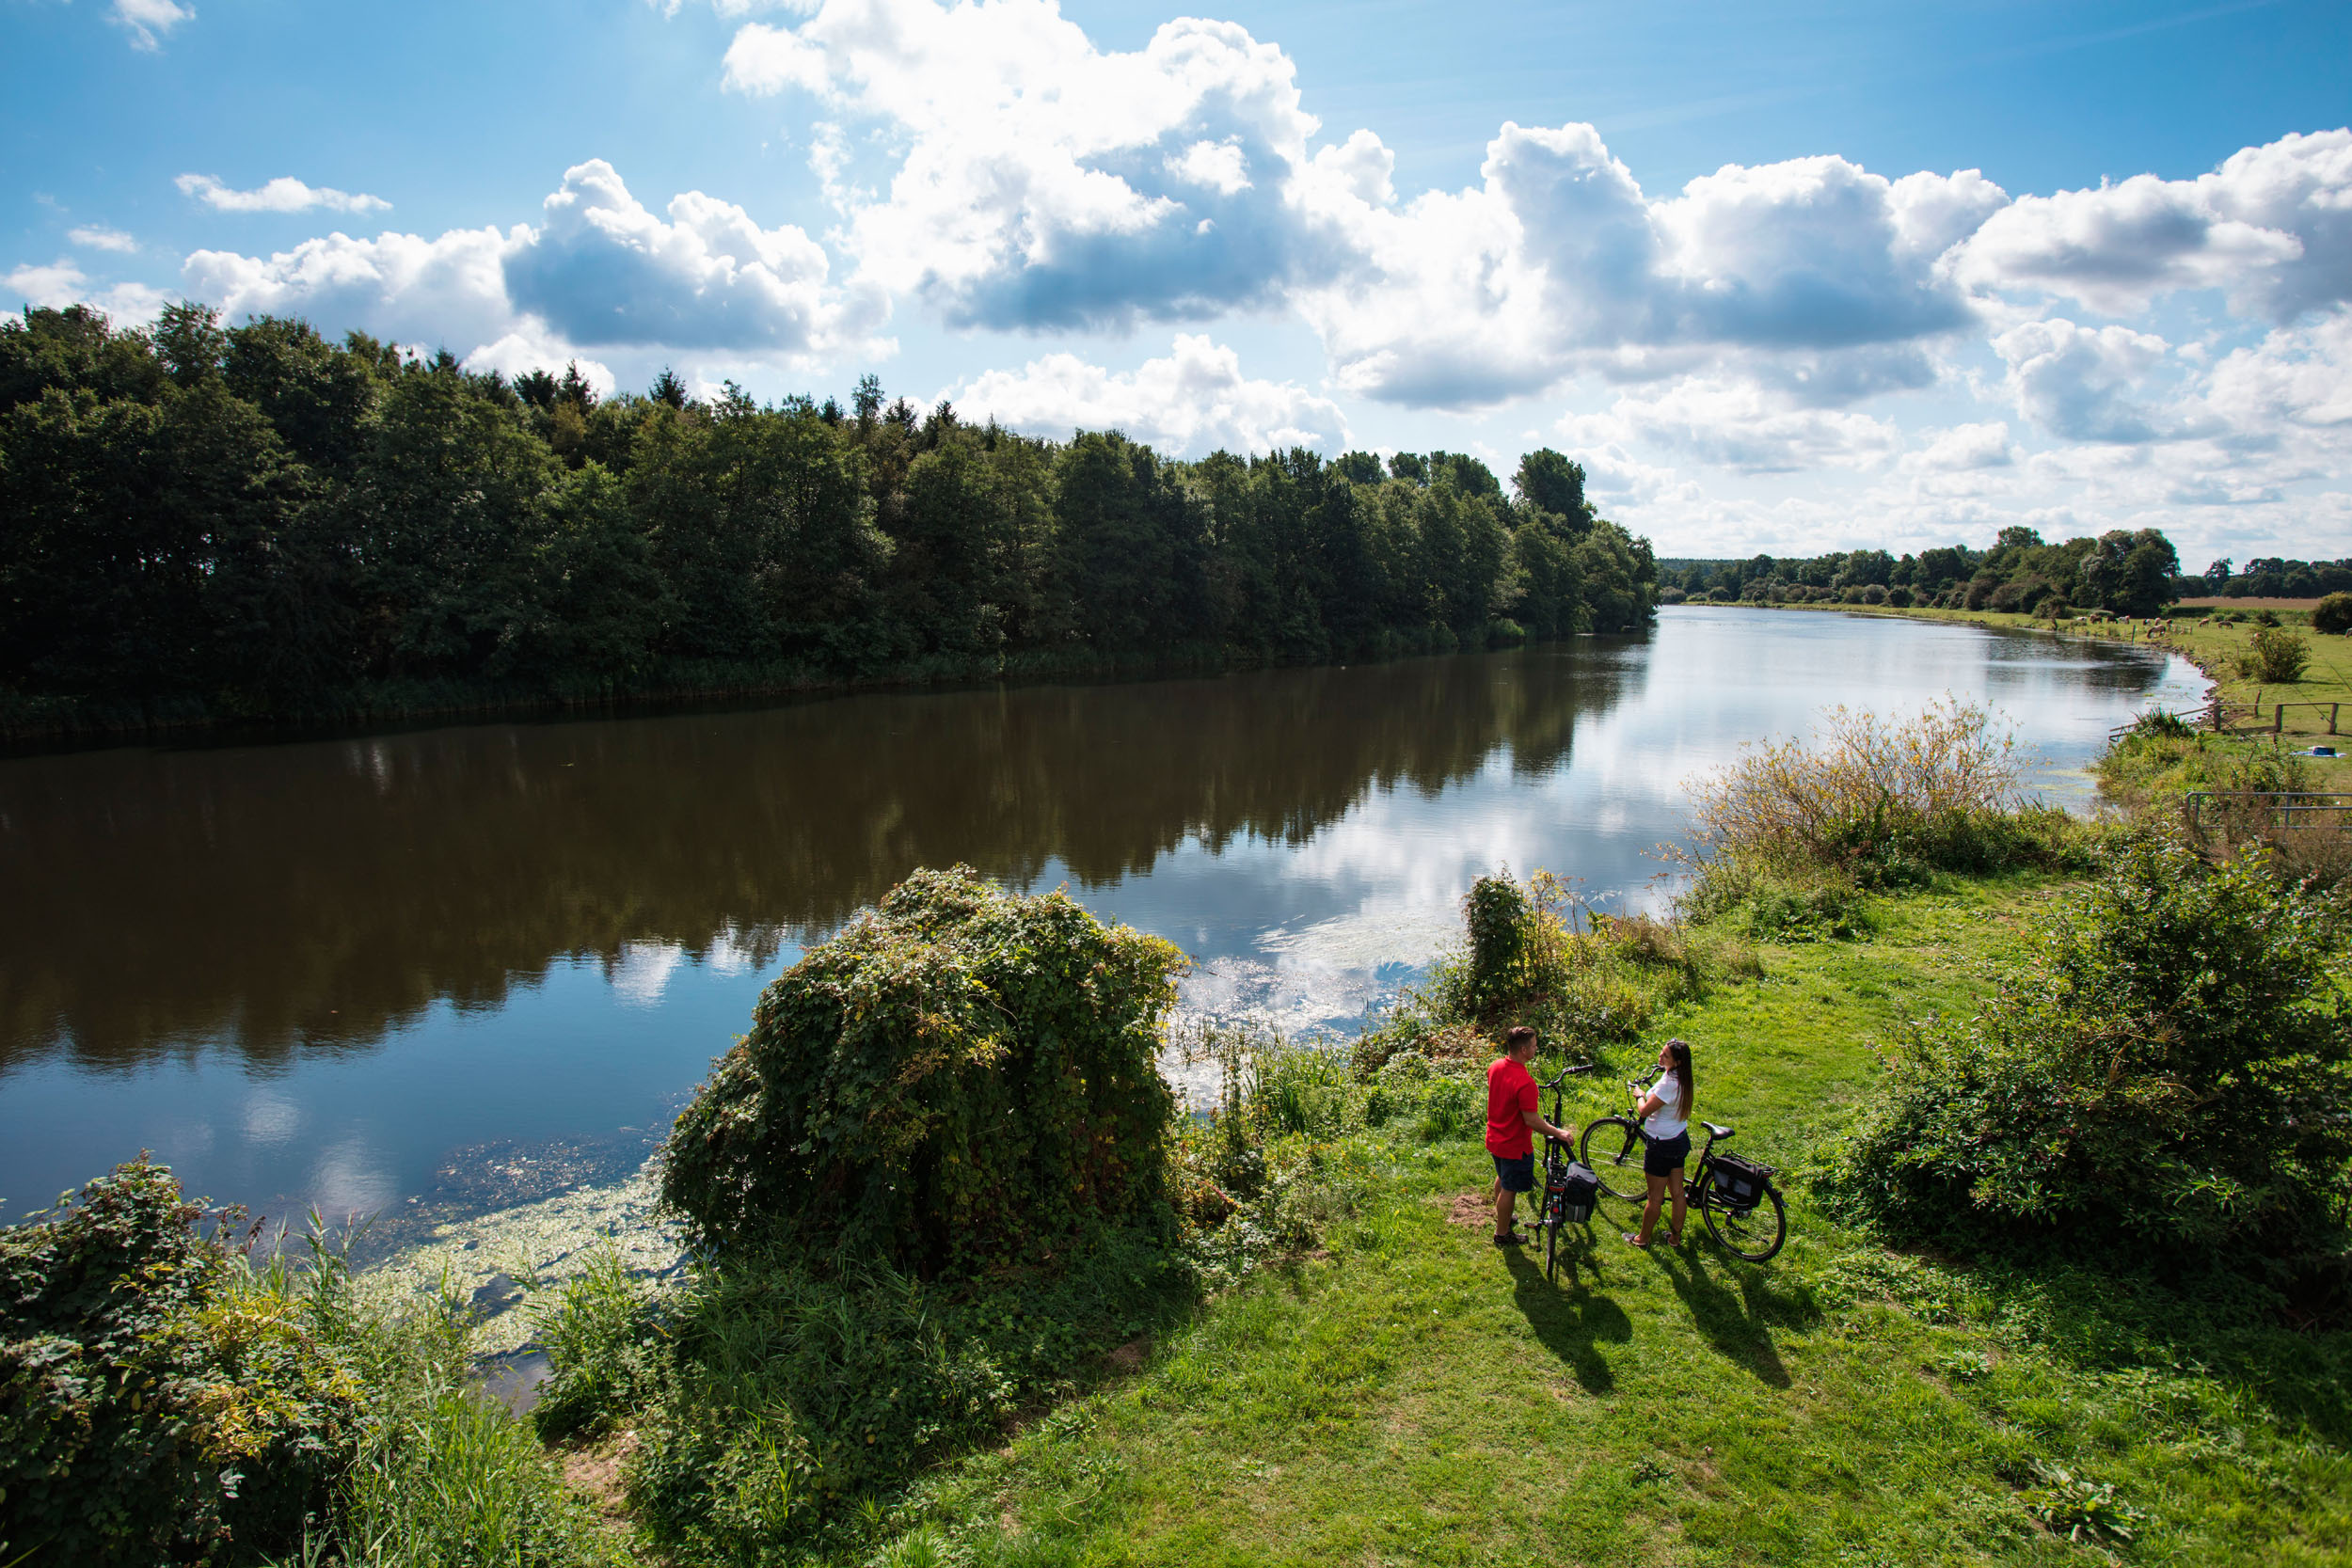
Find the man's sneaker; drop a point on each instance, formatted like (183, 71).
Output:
(1513, 1239)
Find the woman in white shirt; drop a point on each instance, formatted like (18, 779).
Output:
(1666, 1115)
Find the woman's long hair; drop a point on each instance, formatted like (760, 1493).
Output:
(1679, 1052)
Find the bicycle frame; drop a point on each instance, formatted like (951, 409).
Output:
(1729, 1219)
(1694, 1174)
(1558, 1155)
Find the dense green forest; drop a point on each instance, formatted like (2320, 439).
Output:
(2270, 577)
(2129, 573)
(200, 522)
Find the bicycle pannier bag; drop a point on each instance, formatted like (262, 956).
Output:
(1579, 1189)
(1740, 1183)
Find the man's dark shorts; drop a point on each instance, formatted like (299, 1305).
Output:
(1516, 1176)
(1667, 1155)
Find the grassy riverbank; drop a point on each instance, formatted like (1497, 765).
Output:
(1409, 1394)
(1919, 998)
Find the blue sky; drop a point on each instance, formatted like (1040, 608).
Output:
(1786, 279)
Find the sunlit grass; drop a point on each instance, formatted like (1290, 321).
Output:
(1417, 1395)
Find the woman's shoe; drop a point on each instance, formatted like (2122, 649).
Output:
(1636, 1241)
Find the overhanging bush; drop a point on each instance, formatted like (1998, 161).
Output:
(962, 1077)
(2169, 1072)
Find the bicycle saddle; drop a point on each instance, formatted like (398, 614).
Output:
(1715, 1132)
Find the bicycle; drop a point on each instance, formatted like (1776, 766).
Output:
(1734, 1196)
(1568, 1188)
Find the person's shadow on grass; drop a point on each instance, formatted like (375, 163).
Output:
(1735, 1322)
(1572, 1317)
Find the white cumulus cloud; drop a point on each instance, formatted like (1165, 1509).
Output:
(2272, 227)
(600, 270)
(449, 289)
(2078, 382)
(1963, 449)
(1040, 182)
(1045, 182)
(1815, 274)
(1189, 404)
(100, 237)
(1734, 423)
(281, 194)
(146, 20)
(61, 283)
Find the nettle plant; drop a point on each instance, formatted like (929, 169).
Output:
(963, 1077)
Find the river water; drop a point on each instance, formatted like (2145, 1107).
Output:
(460, 967)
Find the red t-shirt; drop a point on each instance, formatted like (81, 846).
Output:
(1510, 1089)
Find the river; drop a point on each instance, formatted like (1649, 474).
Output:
(459, 967)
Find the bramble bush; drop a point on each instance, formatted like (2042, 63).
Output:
(147, 1412)
(164, 1397)
(2167, 1078)
(962, 1078)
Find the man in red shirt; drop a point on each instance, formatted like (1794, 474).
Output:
(1512, 1119)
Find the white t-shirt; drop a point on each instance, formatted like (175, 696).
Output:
(1672, 1118)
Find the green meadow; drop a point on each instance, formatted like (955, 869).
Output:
(1406, 1393)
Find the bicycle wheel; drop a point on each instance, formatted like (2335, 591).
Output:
(1754, 1234)
(1614, 1148)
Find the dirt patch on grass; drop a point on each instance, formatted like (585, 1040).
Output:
(1129, 1356)
(2218, 601)
(1471, 1211)
(595, 1473)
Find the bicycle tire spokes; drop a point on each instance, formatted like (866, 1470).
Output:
(1612, 1147)
(1755, 1233)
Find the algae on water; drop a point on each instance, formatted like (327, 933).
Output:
(535, 1246)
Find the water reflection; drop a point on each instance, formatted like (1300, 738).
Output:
(310, 972)
(312, 896)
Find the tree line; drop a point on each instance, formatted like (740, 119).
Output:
(202, 521)
(2270, 577)
(2130, 572)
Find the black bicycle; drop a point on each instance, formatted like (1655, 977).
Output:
(1734, 1196)
(1569, 1189)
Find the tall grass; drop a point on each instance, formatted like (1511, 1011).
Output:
(1871, 802)
(604, 1343)
(1535, 954)
(441, 1477)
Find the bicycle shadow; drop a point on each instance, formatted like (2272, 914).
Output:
(1736, 1322)
(1571, 1318)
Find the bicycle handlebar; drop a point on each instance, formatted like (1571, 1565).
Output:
(1568, 1073)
